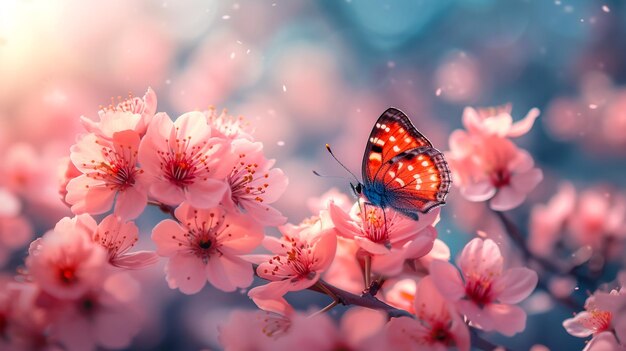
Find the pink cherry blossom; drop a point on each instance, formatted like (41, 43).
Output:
(298, 259)
(22, 171)
(226, 126)
(117, 237)
(437, 325)
(254, 184)
(207, 244)
(100, 317)
(252, 330)
(15, 232)
(109, 170)
(604, 318)
(65, 262)
(184, 161)
(599, 214)
(497, 121)
(487, 293)
(25, 324)
(389, 238)
(319, 332)
(547, 221)
(130, 114)
(492, 168)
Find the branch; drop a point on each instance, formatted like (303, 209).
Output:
(163, 207)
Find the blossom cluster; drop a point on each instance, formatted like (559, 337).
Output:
(211, 181)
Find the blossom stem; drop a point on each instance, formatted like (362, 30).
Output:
(325, 309)
(367, 272)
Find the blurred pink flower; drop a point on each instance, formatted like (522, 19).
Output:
(400, 292)
(320, 332)
(486, 293)
(265, 331)
(206, 244)
(65, 262)
(22, 170)
(298, 259)
(604, 318)
(130, 114)
(15, 232)
(547, 221)
(99, 317)
(437, 325)
(184, 162)
(260, 328)
(599, 214)
(117, 237)
(497, 121)
(390, 238)
(109, 169)
(492, 168)
(254, 184)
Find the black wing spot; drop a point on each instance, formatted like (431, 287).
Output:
(377, 148)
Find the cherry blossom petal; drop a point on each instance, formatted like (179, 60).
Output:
(186, 272)
(524, 125)
(508, 319)
(515, 285)
(136, 260)
(577, 325)
(447, 280)
(507, 198)
(206, 193)
(228, 274)
(164, 235)
(130, 203)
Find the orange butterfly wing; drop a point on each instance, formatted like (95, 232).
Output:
(409, 174)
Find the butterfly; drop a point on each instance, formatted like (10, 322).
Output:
(401, 169)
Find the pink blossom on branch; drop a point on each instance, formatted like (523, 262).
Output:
(389, 238)
(254, 184)
(486, 293)
(109, 170)
(106, 316)
(65, 262)
(497, 121)
(489, 168)
(117, 237)
(130, 114)
(207, 244)
(298, 259)
(437, 325)
(604, 319)
(184, 161)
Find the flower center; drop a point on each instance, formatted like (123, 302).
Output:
(67, 275)
(240, 179)
(479, 291)
(500, 178)
(119, 167)
(183, 164)
(598, 321)
(375, 227)
(440, 334)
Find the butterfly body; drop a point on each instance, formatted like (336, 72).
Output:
(401, 169)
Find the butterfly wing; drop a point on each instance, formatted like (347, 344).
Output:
(401, 164)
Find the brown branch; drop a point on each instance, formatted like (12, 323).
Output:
(163, 207)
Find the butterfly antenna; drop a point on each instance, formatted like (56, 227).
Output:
(342, 165)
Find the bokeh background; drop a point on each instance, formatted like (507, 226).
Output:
(306, 73)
